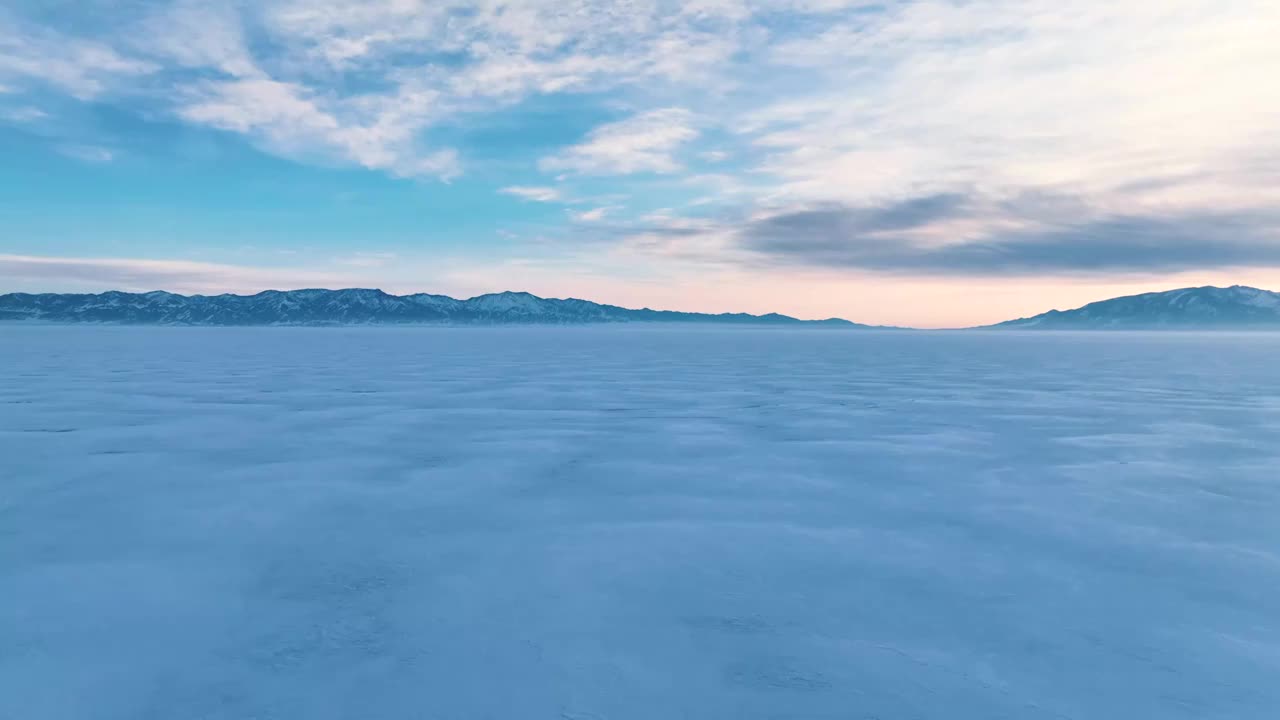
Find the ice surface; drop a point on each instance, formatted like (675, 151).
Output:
(637, 523)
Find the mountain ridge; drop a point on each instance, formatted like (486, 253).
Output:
(354, 306)
(1205, 307)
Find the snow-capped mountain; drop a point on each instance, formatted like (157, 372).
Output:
(349, 307)
(1188, 308)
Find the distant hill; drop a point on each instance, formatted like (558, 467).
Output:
(352, 307)
(1236, 307)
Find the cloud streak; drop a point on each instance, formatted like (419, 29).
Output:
(903, 237)
(533, 194)
(644, 143)
(142, 274)
(88, 153)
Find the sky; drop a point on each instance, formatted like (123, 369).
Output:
(929, 163)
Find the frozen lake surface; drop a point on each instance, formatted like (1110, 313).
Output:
(637, 523)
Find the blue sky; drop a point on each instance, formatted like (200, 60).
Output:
(929, 163)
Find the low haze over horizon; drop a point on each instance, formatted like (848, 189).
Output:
(932, 164)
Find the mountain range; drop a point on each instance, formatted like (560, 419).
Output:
(1235, 307)
(352, 307)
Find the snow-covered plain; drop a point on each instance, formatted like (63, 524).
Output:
(637, 523)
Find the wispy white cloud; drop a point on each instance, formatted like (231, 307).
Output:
(646, 142)
(88, 153)
(83, 68)
(592, 215)
(24, 114)
(374, 132)
(532, 193)
(199, 35)
(280, 109)
(512, 48)
(367, 259)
